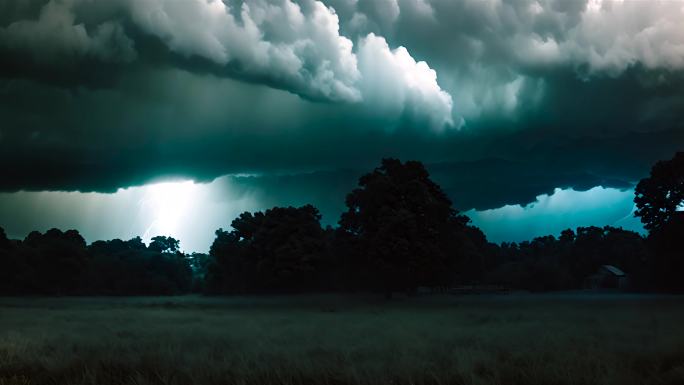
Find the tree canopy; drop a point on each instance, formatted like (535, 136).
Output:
(279, 249)
(163, 244)
(60, 263)
(403, 223)
(660, 195)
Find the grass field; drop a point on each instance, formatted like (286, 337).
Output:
(514, 339)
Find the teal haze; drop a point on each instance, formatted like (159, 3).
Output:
(192, 212)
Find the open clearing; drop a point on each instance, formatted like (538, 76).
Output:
(331, 339)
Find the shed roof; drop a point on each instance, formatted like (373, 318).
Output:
(614, 270)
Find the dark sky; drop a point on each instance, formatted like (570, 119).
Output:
(514, 105)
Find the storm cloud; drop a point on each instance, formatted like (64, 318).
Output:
(504, 100)
(292, 46)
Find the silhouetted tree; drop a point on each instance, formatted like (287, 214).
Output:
(51, 263)
(404, 225)
(280, 249)
(59, 263)
(199, 263)
(547, 263)
(567, 236)
(130, 268)
(4, 241)
(660, 195)
(667, 261)
(226, 269)
(164, 244)
(7, 268)
(473, 256)
(660, 200)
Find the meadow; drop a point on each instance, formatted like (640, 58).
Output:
(332, 339)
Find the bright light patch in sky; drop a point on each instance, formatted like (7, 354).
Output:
(565, 208)
(185, 210)
(169, 205)
(192, 212)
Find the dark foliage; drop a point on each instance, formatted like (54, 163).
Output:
(660, 203)
(60, 263)
(4, 241)
(659, 196)
(667, 262)
(50, 263)
(129, 268)
(282, 249)
(403, 228)
(549, 263)
(199, 263)
(162, 244)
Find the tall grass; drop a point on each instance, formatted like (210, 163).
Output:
(343, 340)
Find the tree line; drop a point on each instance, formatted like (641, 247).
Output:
(399, 232)
(60, 263)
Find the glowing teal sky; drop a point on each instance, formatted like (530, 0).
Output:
(563, 209)
(192, 212)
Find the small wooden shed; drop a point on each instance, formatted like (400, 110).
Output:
(607, 277)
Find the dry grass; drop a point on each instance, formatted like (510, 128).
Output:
(503, 340)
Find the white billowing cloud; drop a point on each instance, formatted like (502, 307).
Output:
(281, 42)
(384, 12)
(596, 36)
(537, 51)
(321, 50)
(614, 35)
(395, 84)
(422, 8)
(301, 49)
(483, 93)
(295, 46)
(609, 37)
(56, 37)
(479, 46)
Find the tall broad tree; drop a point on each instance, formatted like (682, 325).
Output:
(659, 196)
(57, 260)
(404, 226)
(131, 268)
(4, 241)
(279, 249)
(660, 200)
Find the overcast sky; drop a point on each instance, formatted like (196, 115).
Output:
(521, 109)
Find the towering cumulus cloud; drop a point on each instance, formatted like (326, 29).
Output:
(292, 46)
(296, 47)
(497, 57)
(605, 36)
(394, 81)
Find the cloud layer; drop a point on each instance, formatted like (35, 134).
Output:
(291, 46)
(296, 47)
(507, 100)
